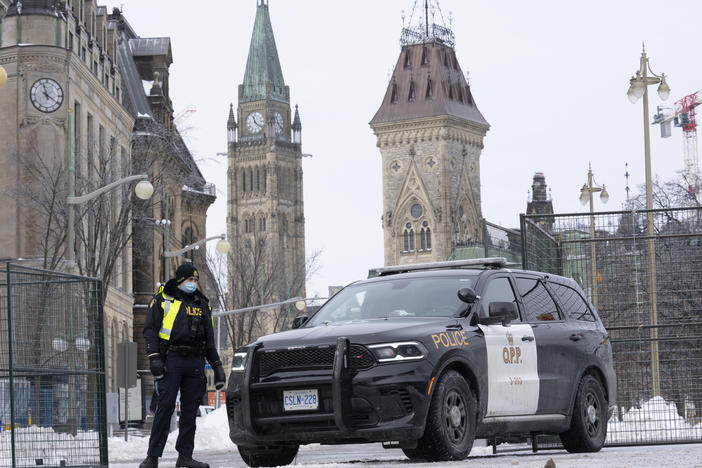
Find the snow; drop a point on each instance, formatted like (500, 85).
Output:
(143, 116)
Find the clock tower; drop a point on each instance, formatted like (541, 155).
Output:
(265, 215)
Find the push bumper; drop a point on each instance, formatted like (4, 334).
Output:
(383, 403)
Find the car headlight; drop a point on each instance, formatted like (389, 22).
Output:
(239, 362)
(394, 352)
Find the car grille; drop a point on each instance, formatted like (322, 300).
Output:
(310, 358)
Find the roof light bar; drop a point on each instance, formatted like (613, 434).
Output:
(494, 262)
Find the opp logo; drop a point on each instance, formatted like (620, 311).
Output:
(512, 354)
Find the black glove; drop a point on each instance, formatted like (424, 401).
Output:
(219, 376)
(157, 367)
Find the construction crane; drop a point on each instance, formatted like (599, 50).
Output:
(683, 115)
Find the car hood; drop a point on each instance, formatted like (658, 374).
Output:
(361, 332)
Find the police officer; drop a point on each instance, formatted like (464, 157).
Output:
(179, 336)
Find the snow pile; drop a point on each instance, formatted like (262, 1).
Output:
(212, 434)
(655, 421)
(52, 448)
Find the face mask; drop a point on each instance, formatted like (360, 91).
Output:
(189, 287)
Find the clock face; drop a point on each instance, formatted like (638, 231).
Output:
(279, 123)
(46, 95)
(254, 122)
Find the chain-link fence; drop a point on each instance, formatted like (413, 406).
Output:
(52, 370)
(495, 241)
(643, 272)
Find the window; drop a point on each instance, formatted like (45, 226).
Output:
(408, 236)
(430, 89)
(428, 239)
(251, 179)
(425, 57)
(412, 94)
(405, 247)
(243, 182)
(246, 225)
(411, 239)
(573, 303)
(450, 91)
(393, 97)
(258, 180)
(70, 41)
(498, 290)
(537, 301)
(425, 237)
(408, 59)
(265, 180)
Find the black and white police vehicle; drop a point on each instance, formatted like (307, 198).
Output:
(427, 358)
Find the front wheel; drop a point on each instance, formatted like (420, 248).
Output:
(268, 455)
(450, 427)
(588, 425)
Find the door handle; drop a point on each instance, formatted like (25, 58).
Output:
(527, 338)
(575, 337)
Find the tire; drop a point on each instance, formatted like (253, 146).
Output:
(269, 455)
(450, 427)
(588, 425)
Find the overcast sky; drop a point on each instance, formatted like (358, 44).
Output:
(549, 76)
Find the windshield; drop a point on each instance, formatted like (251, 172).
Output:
(405, 297)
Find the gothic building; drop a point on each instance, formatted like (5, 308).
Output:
(430, 134)
(540, 202)
(265, 212)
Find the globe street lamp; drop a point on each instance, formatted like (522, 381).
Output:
(586, 195)
(222, 246)
(638, 88)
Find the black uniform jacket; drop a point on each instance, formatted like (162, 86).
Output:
(180, 332)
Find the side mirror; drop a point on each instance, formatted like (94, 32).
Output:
(467, 295)
(500, 312)
(299, 321)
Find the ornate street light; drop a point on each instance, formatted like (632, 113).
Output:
(586, 196)
(638, 87)
(222, 246)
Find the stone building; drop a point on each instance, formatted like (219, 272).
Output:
(265, 213)
(76, 95)
(540, 202)
(430, 134)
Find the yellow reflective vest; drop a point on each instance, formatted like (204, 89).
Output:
(170, 306)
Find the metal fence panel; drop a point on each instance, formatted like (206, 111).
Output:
(648, 292)
(52, 370)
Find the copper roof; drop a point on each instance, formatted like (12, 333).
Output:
(428, 82)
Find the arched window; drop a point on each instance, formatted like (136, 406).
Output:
(393, 98)
(243, 181)
(265, 180)
(425, 57)
(251, 179)
(408, 59)
(412, 93)
(422, 240)
(411, 239)
(430, 89)
(258, 180)
(405, 247)
(428, 239)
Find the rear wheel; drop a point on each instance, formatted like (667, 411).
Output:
(450, 426)
(588, 425)
(275, 455)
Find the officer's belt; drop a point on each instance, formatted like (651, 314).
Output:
(187, 350)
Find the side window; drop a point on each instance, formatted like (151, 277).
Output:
(498, 290)
(575, 306)
(537, 301)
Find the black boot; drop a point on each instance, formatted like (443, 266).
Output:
(187, 462)
(149, 462)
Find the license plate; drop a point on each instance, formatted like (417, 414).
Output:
(296, 400)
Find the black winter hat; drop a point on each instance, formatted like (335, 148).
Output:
(185, 271)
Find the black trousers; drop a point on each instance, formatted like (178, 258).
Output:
(186, 374)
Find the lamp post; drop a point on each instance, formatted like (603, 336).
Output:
(586, 195)
(143, 190)
(638, 87)
(222, 246)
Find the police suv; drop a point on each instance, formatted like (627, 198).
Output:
(427, 358)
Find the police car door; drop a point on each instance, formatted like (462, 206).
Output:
(513, 383)
(558, 359)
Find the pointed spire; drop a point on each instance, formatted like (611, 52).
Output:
(297, 128)
(231, 121)
(263, 77)
(297, 124)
